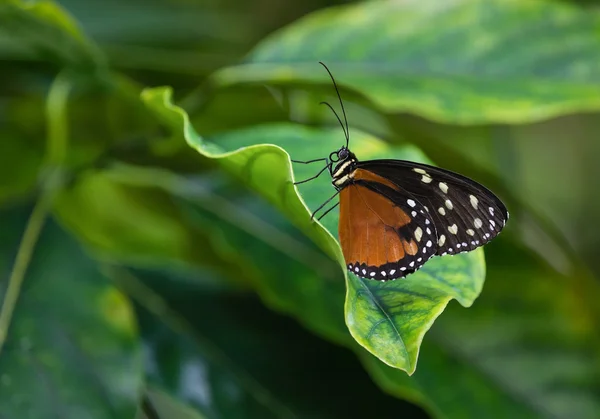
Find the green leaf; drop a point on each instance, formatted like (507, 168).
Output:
(166, 407)
(227, 355)
(49, 33)
(71, 349)
(194, 369)
(463, 61)
(528, 348)
(531, 353)
(19, 164)
(139, 227)
(130, 217)
(253, 165)
(389, 320)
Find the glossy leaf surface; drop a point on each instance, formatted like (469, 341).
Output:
(71, 349)
(460, 61)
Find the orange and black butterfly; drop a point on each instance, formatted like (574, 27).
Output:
(395, 215)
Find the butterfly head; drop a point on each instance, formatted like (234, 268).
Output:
(345, 164)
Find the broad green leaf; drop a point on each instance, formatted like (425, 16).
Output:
(459, 61)
(49, 32)
(225, 220)
(389, 320)
(228, 356)
(71, 349)
(518, 354)
(195, 370)
(254, 166)
(127, 217)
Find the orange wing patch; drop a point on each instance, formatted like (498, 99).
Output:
(368, 232)
(411, 247)
(379, 239)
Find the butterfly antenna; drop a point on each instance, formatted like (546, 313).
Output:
(346, 132)
(339, 120)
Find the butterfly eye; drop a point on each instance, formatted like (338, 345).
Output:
(342, 153)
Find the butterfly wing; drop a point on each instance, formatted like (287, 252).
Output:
(430, 210)
(383, 236)
(466, 215)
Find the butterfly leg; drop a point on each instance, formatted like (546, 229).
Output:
(327, 212)
(322, 205)
(311, 161)
(314, 177)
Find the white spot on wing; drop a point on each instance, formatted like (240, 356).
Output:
(419, 171)
(492, 211)
(470, 232)
(414, 213)
(443, 187)
(474, 201)
(453, 229)
(426, 179)
(448, 204)
(392, 271)
(428, 244)
(442, 211)
(418, 234)
(372, 274)
(442, 240)
(411, 202)
(411, 264)
(477, 222)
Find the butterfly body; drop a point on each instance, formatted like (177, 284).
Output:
(395, 215)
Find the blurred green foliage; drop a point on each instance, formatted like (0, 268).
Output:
(156, 261)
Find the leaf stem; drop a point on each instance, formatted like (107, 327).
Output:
(28, 242)
(56, 149)
(57, 120)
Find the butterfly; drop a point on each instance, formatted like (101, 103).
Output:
(395, 215)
